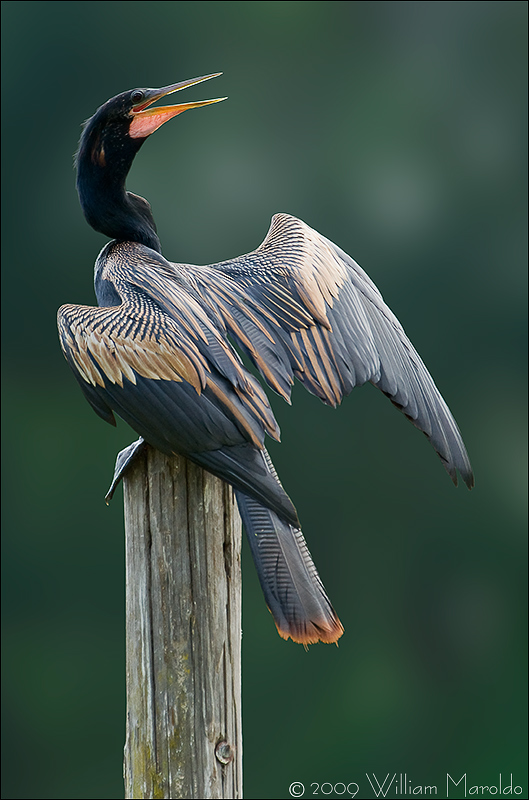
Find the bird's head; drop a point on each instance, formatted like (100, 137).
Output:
(122, 124)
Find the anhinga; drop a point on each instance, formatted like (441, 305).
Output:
(156, 350)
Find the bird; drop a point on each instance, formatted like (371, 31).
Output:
(157, 350)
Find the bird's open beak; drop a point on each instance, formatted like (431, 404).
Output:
(146, 120)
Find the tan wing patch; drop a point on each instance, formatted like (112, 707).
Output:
(160, 281)
(91, 335)
(316, 270)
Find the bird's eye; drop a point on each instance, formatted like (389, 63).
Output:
(137, 96)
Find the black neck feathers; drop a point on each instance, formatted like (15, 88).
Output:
(105, 156)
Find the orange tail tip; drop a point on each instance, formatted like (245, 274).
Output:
(328, 632)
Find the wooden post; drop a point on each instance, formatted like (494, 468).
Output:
(183, 540)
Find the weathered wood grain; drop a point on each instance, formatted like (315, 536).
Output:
(183, 540)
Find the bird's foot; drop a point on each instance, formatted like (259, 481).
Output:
(124, 460)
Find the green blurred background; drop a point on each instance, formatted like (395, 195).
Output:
(398, 131)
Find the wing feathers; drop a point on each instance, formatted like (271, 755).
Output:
(298, 306)
(335, 331)
(93, 340)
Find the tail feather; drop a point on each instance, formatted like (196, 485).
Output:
(290, 582)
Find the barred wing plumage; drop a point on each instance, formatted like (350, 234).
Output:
(301, 307)
(179, 384)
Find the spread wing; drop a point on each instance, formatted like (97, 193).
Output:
(174, 378)
(301, 307)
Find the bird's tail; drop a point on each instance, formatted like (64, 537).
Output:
(292, 587)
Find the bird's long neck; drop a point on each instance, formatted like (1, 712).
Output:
(106, 204)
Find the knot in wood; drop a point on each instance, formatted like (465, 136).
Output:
(224, 752)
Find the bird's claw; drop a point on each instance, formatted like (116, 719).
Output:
(124, 460)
